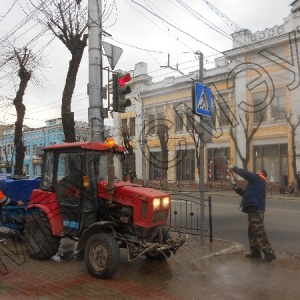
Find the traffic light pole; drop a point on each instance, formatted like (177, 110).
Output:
(95, 112)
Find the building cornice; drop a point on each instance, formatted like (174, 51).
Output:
(257, 46)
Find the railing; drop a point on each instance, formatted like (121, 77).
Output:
(185, 215)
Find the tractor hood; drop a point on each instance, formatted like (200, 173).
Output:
(150, 206)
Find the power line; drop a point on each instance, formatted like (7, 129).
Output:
(229, 22)
(176, 27)
(8, 11)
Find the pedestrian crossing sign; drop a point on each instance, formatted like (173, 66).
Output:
(203, 100)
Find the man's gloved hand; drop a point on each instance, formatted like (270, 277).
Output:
(230, 166)
(234, 185)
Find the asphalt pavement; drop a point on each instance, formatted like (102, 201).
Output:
(217, 271)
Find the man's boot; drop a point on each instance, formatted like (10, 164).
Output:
(269, 256)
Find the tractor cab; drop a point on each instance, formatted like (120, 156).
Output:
(71, 171)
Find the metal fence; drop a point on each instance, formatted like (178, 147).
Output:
(185, 215)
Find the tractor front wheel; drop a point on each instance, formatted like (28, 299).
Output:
(102, 255)
(40, 242)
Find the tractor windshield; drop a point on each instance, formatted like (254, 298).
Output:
(97, 166)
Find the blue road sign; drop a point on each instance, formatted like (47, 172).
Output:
(203, 100)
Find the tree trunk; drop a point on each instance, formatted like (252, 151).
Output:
(165, 159)
(293, 127)
(163, 135)
(20, 108)
(67, 116)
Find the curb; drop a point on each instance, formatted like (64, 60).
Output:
(234, 249)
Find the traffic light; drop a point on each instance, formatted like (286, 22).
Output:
(120, 90)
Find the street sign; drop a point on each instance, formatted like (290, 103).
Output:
(203, 100)
(113, 53)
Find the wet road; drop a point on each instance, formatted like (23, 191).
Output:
(281, 222)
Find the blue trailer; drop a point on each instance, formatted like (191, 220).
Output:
(14, 217)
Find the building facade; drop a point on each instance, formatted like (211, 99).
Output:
(255, 113)
(34, 140)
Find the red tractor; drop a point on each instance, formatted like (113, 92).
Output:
(80, 198)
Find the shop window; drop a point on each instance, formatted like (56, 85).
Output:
(185, 165)
(273, 159)
(218, 160)
(155, 166)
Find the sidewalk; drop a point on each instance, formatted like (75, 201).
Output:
(218, 271)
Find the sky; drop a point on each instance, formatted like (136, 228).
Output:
(147, 30)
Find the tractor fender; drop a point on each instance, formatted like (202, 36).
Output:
(87, 233)
(53, 216)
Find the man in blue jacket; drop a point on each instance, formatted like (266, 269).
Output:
(254, 204)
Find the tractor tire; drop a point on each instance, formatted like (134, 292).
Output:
(161, 256)
(40, 242)
(102, 255)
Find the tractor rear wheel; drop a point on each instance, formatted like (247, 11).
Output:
(102, 255)
(40, 242)
(161, 256)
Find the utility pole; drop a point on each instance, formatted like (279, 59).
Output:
(95, 112)
(201, 162)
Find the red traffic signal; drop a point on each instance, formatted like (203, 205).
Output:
(120, 90)
(124, 80)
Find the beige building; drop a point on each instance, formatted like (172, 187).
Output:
(255, 105)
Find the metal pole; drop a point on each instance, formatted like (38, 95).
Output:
(210, 220)
(201, 163)
(95, 112)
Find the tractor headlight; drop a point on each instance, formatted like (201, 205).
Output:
(166, 202)
(156, 203)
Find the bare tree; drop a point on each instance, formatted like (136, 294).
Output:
(129, 159)
(68, 22)
(198, 134)
(293, 127)
(20, 62)
(7, 162)
(197, 142)
(126, 140)
(249, 132)
(70, 28)
(23, 57)
(162, 132)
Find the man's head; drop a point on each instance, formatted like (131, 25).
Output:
(263, 173)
